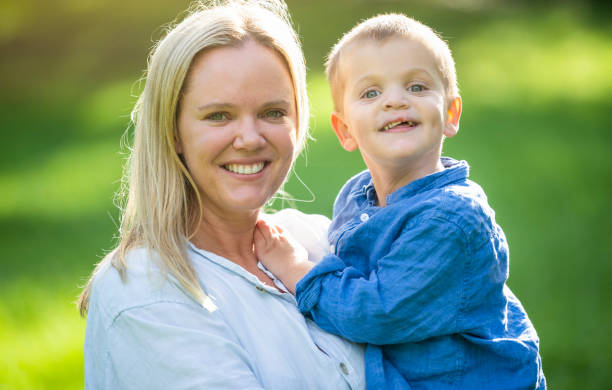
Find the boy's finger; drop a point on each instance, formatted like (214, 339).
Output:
(262, 226)
(257, 233)
(262, 241)
(261, 233)
(274, 229)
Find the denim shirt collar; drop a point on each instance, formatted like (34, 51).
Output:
(453, 171)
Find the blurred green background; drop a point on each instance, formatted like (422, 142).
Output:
(536, 81)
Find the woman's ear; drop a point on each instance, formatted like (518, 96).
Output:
(452, 118)
(178, 147)
(342, 132)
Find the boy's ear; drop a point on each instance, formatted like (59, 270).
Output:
(452, 118)
(341, 129)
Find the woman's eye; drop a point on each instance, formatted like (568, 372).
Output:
(274, 114)
(416, 88)
(371, 94)
(217, 116)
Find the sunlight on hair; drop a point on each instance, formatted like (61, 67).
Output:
(208, 304)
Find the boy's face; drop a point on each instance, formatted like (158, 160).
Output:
(394, 107)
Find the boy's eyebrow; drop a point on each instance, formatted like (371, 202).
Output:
(417, 71)
(411, 72)
(365, 78)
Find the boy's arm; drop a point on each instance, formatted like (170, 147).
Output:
(281, 254)
(416, 291)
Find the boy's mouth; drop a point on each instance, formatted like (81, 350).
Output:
(394, 124)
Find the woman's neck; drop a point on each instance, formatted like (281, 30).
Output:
(230, 236)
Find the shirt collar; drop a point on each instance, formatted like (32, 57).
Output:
(235, 268)
(453, 171)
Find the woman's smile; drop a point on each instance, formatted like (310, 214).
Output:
(245, 169)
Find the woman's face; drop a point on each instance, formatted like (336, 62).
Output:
(237, 126)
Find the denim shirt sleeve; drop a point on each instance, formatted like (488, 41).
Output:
(414, 293)
(140, 339)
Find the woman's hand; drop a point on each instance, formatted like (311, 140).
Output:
(281, 254)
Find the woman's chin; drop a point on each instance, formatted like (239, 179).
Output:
(243, 202)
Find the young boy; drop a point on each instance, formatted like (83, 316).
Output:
(419, 264)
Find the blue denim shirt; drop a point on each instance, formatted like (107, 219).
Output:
(422, 282)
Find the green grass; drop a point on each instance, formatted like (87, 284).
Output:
(535, 84)
(42, 339)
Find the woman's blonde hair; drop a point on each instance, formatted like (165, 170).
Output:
(160, 201)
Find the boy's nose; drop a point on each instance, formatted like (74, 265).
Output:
(396, 99)
(248, 135)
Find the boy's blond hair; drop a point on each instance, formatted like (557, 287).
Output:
(380, 28)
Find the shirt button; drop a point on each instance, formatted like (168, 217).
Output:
(344, 368)
(364, 217)
(260, 288)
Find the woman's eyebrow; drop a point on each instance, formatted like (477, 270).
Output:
(277, 103)
(226, 106)
(216, 106)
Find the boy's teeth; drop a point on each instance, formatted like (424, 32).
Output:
(393, 124)
(390, 125)
(245, 169)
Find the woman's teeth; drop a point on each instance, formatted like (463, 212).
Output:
(393, 124)
(245, 169)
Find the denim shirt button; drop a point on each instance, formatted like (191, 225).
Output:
(364, 217)
(260, 288)
(343, 368)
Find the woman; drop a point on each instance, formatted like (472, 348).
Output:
(182, 302)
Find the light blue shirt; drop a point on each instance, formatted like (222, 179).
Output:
(147, 333)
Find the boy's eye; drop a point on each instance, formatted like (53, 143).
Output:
(371, 94)
(217, 116)
(416, 88)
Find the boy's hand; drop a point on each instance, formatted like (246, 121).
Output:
(280, 254)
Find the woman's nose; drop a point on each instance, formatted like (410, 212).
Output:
(249, 135)
(395, 99)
